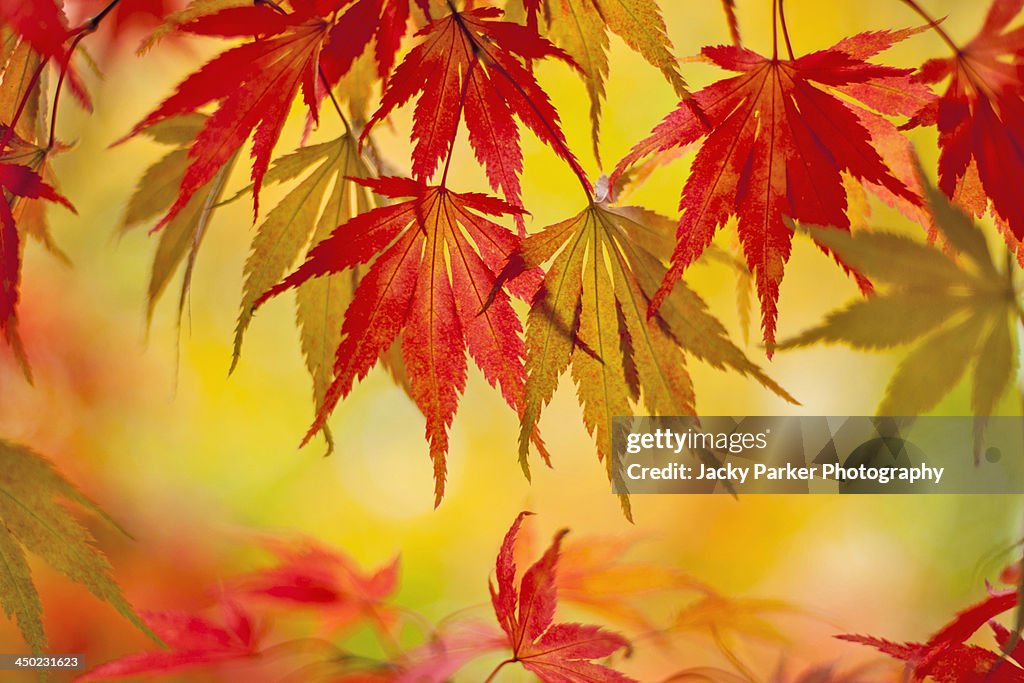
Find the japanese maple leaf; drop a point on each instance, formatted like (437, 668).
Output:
(470, 61)
(980, 119)
(254, 85)
(947, 658)
(35, 519)
(193, 642)
(960, 313)
(555, 652)
(19, 183)
(778, 146)
(384, 22)
(309, 574)
(590, 316)
(436, 258)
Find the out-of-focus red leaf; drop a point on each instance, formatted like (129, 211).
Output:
(193, 642)
(449, 650)
(311, 575)
(41, 22)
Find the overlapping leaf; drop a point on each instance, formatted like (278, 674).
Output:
(980, 119)
(33, 518)
(555, 652)
(382, 22)
(581, 28)
(254, 85)
(778, 146)
(301, 219)
(157, 190)
(434, 262)
(962, 313)
(470, 61)
(590, 314)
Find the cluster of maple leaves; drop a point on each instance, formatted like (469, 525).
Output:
(406, 271)
(236, 636)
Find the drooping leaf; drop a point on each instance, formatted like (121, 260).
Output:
(554, 652)
(34, 519)
(179, 242)
(434, 262)
(778, 146)
(469, 60)
(980, 119)
(324, 199)
(254, 85)
(590, 314)
(960, 313)
(20, 184)
(581, 27)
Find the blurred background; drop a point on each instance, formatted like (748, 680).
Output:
(147, 421)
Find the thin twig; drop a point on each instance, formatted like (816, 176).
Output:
(785, 29)
(65, 67)
(334, 100)
(933, 24)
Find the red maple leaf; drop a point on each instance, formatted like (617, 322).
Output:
(947, 658)
(193, 642)
(254, 84)
(556, 653)
(309, 574)
(437, 256)
(382, 21)
(18, 183)
(777, 149)
(980, 119)
(469, 61)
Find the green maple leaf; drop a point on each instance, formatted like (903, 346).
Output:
(179, 240)
(590, 316)
(33, 518)
(959, 313)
